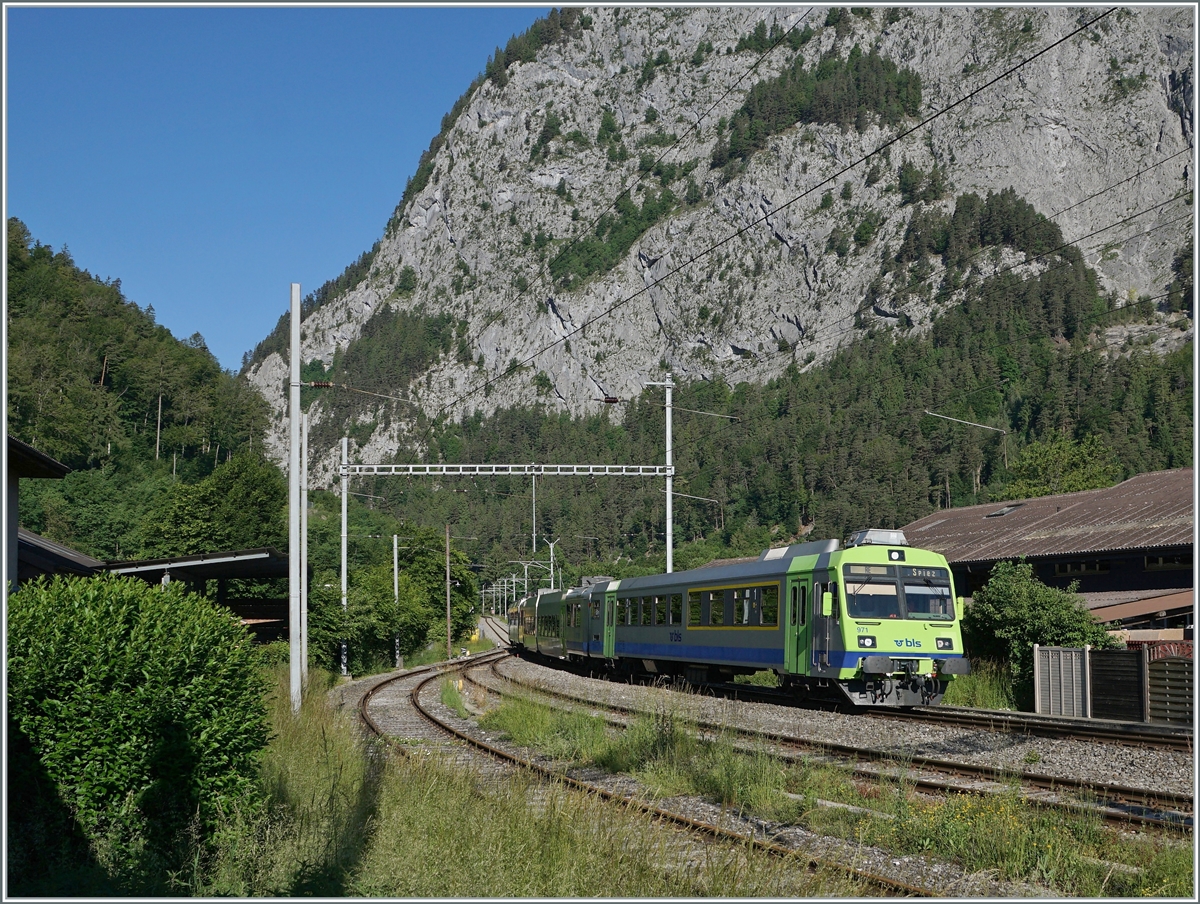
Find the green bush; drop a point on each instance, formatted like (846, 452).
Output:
(144, 708)
(1015, 610)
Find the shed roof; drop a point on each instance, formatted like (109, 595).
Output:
(1146, 512)
(39, 555)
(26, 461)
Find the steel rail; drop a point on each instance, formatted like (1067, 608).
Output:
(1127, 804)
(718, 832)
(1131, 734)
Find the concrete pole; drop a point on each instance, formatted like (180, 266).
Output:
(533, 477)
(304, 550)
(396, 587)
(670, 486)
(345, 532)
(449, 652)
(295, 551)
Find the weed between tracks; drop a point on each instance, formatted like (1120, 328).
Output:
(1001, 833)
(989, 686)
(345, 819)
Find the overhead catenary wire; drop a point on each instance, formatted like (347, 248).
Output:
(516, 367)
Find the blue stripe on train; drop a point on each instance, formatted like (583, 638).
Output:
(764, 656)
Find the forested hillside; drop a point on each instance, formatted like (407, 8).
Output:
(141, 416)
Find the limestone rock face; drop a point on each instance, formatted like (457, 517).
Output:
(742, 283)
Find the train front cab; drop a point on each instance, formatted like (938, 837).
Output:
(875, 624)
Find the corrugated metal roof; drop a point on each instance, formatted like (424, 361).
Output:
(1149, 511)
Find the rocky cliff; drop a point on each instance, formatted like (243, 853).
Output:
(752, 268)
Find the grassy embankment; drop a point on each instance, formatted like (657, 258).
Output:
(345, 818)
(1072, 854)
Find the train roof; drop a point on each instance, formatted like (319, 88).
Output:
(771, 562)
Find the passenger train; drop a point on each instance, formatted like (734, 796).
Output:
(873, 624)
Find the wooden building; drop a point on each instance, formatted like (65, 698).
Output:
(1129, 547)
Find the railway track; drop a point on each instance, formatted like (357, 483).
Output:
(398, 710)
(1134, 734)
(1131, 733)
(1113, 803)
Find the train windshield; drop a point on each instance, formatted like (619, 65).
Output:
(872, 600)
(872, 592)
(927, 593)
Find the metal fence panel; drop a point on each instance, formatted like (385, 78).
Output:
(1119, 686)
(1171, 684)
(1060, 676)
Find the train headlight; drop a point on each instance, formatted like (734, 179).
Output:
(867, 642)
(944, 643)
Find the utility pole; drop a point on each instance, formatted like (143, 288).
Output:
(533, 478)
(551, 545)
(345, 497)
(295, 552)
(158, 427)
(304, 550)
(449, 652)
(670, 479)
(396, 588)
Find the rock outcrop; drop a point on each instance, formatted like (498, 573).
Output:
(741, 283)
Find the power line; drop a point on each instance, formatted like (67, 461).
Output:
(765, 217)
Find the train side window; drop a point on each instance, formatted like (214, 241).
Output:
(816, 601)
(660, 610)
(794, 617)
(803, 603)
(693, 607)
(676, 608)
(837, 609)
(770, 606)
(716, 608)
(741, 606)
(609, 614)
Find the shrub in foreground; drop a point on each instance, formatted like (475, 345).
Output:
(143, 708)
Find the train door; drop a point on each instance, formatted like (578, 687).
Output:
(610, 623)
(819, 627)
(796, 631)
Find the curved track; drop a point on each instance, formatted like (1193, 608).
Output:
(393, 710)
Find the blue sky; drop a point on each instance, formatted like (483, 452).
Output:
(208, 157)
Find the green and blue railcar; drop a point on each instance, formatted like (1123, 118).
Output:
(874, 624)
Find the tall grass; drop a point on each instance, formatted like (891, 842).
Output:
(343, 818)
(989, 686)
(443, 834)
(320, 780)
(1000, 834)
